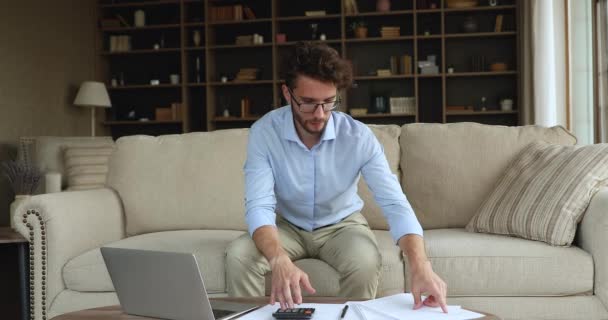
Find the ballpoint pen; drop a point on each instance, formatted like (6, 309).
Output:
(344, 312)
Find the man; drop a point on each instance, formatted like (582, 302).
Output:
(304, 161)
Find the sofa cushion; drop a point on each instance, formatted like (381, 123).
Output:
(87, 166)
(388, 136)
(447, 170)
(87, 272)
(176, 182)
(544, 193)
(475, 264)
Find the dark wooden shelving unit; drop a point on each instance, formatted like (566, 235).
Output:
(149, 27)
(205, 97)
(140, 123)
(127, 4)
(481, 8)
(142, 51)
(235, 119)
(220, 23)
(375, 14)
(145, 86)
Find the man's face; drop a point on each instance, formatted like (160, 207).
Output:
(308, 90)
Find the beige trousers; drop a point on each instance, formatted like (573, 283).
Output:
(349, 247)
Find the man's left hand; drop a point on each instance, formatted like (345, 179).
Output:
(425, 280)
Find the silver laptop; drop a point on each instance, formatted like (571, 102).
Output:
(164, 285)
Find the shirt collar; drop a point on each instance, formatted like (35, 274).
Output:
(290, 133)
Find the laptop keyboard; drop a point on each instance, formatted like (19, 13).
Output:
(217, 313)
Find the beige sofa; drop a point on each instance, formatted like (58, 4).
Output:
(185, 193)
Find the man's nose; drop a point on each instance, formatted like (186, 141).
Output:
(319, 111)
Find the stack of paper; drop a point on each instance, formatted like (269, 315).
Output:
(396, 307)
(400, 306)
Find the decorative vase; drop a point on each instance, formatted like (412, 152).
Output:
(139, 18)
(196, 38)
(379, 104)
(360, 32)
(19, 199)
(383, 5)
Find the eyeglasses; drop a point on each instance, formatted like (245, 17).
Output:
(310, 107)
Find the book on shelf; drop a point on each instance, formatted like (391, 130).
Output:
(249, 39)
(315, 13)
(244, 40)
(227, 13)
(247, 74)
(163, 114)
(176, 111)
(400, 105)
(406, 64)
(390, 32)
(383, 72)
(394, 61)
(498, 24)
(120, 43)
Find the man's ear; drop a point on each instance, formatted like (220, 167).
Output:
(286, 94)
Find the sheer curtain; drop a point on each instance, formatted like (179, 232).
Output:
(544, 63)
(602, 68)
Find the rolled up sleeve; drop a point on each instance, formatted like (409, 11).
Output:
(260, 199)
(387, 192)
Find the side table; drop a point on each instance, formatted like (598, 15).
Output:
(14, 275)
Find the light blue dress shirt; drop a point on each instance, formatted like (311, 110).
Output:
(318, 187)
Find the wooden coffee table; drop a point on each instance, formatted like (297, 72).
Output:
(116, 313)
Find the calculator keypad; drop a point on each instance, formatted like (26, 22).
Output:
(294, 313)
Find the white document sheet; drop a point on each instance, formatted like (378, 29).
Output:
(400, 306)
(395, 307)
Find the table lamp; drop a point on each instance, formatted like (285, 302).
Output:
(94, 95)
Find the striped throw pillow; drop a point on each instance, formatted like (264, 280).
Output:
(544, 193)
(87, 166)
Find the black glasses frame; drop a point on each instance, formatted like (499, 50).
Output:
(327, 106)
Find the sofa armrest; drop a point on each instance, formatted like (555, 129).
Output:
(59, 227)
(593, 239)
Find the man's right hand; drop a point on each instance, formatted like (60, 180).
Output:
(287, 282)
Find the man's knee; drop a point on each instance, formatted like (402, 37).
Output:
(242, 253)
(368, 263)
(363, 257)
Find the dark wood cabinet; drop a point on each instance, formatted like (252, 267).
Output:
(211, 44)
(14, 275)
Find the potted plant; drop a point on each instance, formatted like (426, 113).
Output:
(23, 179)
(359, 29)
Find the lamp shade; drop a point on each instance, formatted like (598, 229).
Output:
(93, 94)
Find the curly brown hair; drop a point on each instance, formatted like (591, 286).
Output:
(318, 61)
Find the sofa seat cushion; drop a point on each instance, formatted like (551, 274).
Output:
(326, 279)
(474, 264)
(88, 272)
